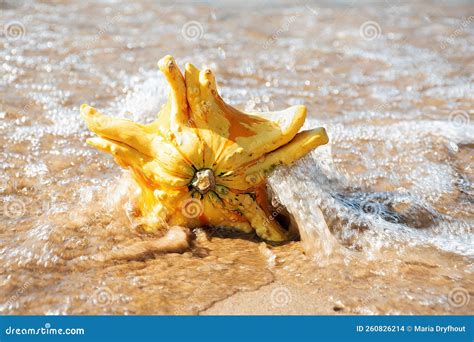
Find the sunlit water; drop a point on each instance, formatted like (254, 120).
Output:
(385, 211)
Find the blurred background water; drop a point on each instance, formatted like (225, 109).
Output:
(385, 211)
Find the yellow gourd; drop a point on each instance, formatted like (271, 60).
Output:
(203, 162)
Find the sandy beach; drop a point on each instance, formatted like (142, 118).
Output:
(385, 210)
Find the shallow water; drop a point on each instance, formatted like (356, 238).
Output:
(385, 211)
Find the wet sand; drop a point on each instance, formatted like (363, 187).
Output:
(385, 210)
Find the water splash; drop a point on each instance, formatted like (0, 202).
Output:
(420, 208)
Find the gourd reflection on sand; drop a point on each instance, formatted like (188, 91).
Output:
(203, 162)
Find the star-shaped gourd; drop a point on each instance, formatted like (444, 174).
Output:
(203, 162)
